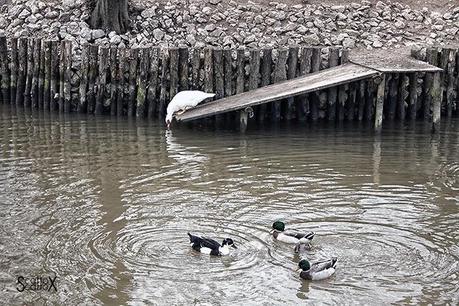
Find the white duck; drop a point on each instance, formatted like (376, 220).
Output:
(183, 101)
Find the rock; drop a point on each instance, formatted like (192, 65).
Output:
(148, 13)
(51, 15)
(210, 27)
(377, 44)
(400, 24)
(115, 40)
(215, 2)
(339, 8)
(312, 39)
(24, 14)
(348, 43)
(97, 34)
(158, 34)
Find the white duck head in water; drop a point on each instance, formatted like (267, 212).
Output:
(184, 101)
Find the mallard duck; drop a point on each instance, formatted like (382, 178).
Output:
(210, 246)
(318, 270)
(291, 236)
(183, 101)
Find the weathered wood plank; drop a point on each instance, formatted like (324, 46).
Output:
(219, 75)
(228, 70)
(343, 89)
(173, 72)
(315, 100)
(122, 58)
(152, 100)
(254, 75)
(432, 58)
(102, 80)
(309, 83)
(393, 91)
(391, 62)
(13, 69)
(403, 95)
(413, 85)
(380, 82)
(265, 70)
(67, 75)
(133, 64)
(163, 91)
(450, 81)
(195, 69)
(22, 70)
(54, 82)
(279, 75)
(333, 61)
(292, 65)
(29, 73)
(81, 107)
(113, 67)
(41, 75)
(183, 69)
(302, 106)
(47, 80)
(436, 100)
(240, 74)
(4, 70)
(142, 82)
(36, 72)
(92, 74)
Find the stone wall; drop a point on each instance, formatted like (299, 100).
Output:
(233, 25)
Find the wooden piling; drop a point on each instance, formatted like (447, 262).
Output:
(84, 67)
(142, 82)
(254, 76)
(279, 74)
(302, 106)
(47, 81)
(292, 65)
(153, 82)
(195, 69)
(240, 73)
(163, 92)
(219, 75)
(432, 58)
(4, 70)
(436, 94)
(208, 70)
(22, 70)
(41, 75)
(67, 75)
(265, 71)
(29, 73)
(173, 72)
(133, 65)
(403, 95)
(92, 74)
(381, 86)
(413, 94)
(122, 62)
(450, 81)
(13, 70)
(101, 79)
(228, 71)
(343, 89)
(361, 90)
(54, 75)
(183, 69)
(113, 68)
(393, 90)
(62, 76)
(333, 61)
(315, 100)
(36, 72)
(351, 101)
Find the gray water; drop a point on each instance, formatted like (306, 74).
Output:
(105, 204)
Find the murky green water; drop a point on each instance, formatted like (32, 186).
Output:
(105, 206)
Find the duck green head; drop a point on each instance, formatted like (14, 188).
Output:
(304, 265)
(279, 226)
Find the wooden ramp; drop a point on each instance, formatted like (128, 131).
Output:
(312, 82)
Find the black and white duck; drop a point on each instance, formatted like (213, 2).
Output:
(210, 246)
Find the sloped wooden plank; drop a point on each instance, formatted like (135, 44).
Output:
(309, 83)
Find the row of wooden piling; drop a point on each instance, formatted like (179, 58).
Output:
(140, 82)
(36, 73)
